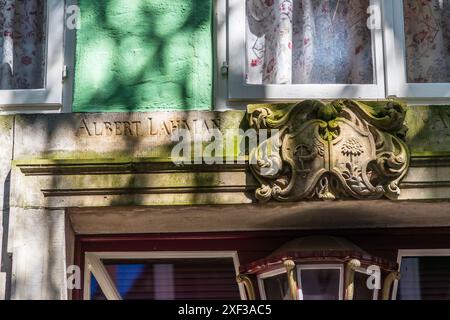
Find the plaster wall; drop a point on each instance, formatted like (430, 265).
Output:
(144, 55)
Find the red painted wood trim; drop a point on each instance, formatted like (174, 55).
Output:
(256, 245)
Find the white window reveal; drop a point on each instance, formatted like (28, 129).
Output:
(31, 52)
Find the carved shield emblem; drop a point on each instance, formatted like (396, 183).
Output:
(344, 149)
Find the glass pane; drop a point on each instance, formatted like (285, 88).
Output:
(320, 284)
(309, 42)
(362, 291)
(427, 30)
(96, 291)
(424, 278)
(277, 287)
(22, 44)
(174, 279)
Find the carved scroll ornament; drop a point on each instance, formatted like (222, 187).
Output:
(342, 149)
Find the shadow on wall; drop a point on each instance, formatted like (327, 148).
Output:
(142, 55)
(5, 257)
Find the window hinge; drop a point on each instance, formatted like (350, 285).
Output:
(224, 69)
(65, 72)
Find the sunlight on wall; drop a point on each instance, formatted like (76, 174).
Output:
(144, 55)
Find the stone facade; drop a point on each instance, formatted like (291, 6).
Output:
(112, 173)
(109, 168)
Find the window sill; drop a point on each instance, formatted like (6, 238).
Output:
(30, 109)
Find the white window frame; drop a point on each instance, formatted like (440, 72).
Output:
(93, 265)
(416, 253)
(239, 90)
(339, 267)
(232, 92)
(266, 275)
(396, 64)
(51, 95)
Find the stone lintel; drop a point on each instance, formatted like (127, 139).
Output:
(255, 217)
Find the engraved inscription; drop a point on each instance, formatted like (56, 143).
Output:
(148, 127)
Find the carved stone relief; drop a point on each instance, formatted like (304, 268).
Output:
(337, 150)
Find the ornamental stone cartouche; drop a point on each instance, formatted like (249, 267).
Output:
(337, 150)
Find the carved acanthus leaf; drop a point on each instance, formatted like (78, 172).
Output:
(342, 149)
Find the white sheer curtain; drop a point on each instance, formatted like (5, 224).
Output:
(22, 44)
(308, 42)
(427, 29)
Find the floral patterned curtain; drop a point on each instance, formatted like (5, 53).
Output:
(308, 42)
(22, 44)
(427, 29)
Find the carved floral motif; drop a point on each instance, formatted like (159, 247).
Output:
(352, 148)
(343, 149)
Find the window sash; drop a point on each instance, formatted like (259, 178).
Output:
(93, 265)
(238, 89)
(389, 63)
(339, 267)
(419, 253)
(52, 93)
(266, 275)
(396, 71)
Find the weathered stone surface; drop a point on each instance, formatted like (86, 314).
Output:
(108, 159)
(70, 249)
(46, 184)
(107, 163)
(429, 130)
(6, 138)
(341, 149)
(39, 255)
(84, 136)
(253, 217)
(112, 135)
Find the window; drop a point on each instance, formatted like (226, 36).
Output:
(418, 49)
(316, 282)
(366, 49)
(321, 282)
(303, 49)
(162, 276)
(425, 275)
(31, 52)
(273, 285)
